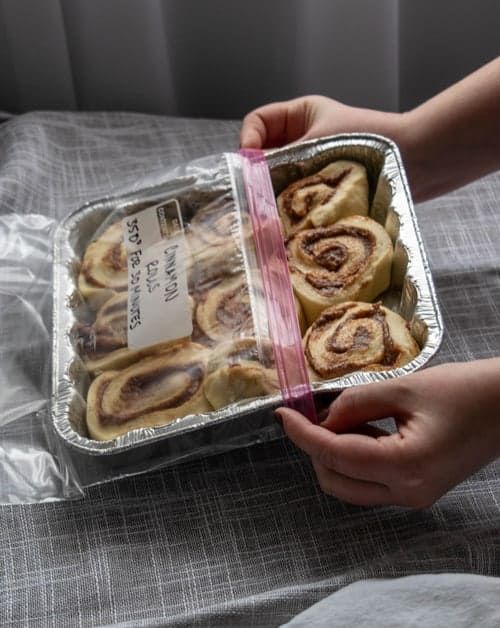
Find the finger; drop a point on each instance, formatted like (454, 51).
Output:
(360, 404)
(355, 455)
(253, 132)
(354, 491)
(273, 125)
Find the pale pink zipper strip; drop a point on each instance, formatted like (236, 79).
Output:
(271, 257)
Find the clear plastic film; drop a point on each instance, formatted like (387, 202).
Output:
(176, 330)
(160, 348)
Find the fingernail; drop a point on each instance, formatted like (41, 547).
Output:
(278, 418)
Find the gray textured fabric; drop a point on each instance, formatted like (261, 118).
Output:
(440, 601)
(245, 538)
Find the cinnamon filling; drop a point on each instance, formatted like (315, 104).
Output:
(333, 256)
(233, 310)
(296, 210)
(116, 258)
(337, 263)
(251, 354)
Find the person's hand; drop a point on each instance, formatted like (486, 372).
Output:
(448, 426)
(309, 117)
(446, 142)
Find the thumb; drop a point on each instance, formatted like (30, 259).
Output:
(252, 136)
(275, 124)
(360, 404)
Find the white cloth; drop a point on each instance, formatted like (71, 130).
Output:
(433, 601)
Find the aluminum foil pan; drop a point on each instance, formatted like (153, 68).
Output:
(411, 294)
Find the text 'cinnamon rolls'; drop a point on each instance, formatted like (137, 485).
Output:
(338, 190)
(357, 336)
(350, 260)
(151, 392)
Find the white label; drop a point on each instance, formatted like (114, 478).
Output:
(159, 309)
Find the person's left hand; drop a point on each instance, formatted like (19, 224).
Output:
(448, 426)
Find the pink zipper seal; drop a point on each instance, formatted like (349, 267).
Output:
(278, 293)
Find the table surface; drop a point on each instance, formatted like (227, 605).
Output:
(242, 538)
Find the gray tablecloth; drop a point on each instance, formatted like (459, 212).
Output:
(244, 538)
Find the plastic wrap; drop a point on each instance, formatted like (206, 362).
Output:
(175, 332)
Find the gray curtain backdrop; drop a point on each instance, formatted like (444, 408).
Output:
(220, 58)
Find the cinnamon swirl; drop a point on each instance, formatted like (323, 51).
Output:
(238, 370)
(339, 190)
(356, 336)
(152, 392)
(224, 311)
(350, 260)
(104, 267)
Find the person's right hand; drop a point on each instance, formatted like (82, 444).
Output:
(309, 117)
(446, 142)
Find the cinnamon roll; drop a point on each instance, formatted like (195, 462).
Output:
(356, 336)
(350, 260)
(104, 267)
(152, 392)
(216, 241)
(339, 190)
(239, 370)
(103, 345)
(224, 311)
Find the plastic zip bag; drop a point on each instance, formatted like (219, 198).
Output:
(220, 200)
(65, 459)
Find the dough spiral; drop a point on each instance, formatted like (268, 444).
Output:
(104, 267)
(224, 311)
(350, 260)
(356, 336)
(338, 190)
(239, 370)
(152, 392)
